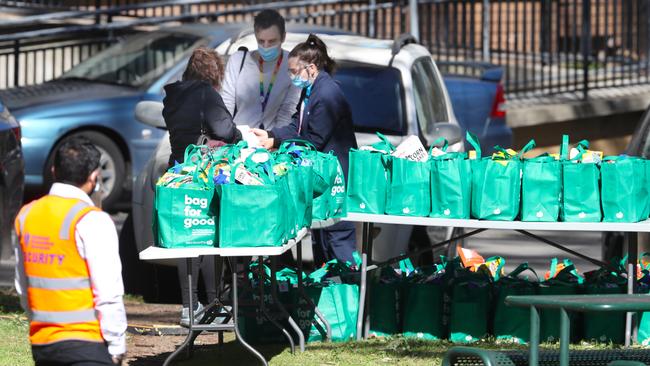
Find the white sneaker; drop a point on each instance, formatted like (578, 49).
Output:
(185, 315)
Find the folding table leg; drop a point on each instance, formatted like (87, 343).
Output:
(235, 314)
(278, 304)
(263, 307)
(362, 286)
(366, 309)
(190, 335)
(310, 303)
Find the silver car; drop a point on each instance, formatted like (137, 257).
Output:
(393, 87)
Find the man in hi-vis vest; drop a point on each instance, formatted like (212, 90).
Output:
(68, 271)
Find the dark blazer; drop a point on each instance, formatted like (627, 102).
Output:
(187, 105)
(327, 120)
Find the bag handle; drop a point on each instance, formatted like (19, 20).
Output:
(473, 140)
(288, 145)
(264, 169)
(384, 144)
(191, 150)
(445, 144)
(522, 268)
(564, 148)
(529, 146)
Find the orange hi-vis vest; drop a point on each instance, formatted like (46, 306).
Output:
(59, 291)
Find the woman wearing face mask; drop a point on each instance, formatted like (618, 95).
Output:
(323, 118)
(256, 90)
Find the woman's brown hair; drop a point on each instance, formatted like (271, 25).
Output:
(205, 65)
(314, 51)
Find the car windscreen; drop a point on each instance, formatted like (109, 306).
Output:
(137, 61)
(375, 95)
(430, 103)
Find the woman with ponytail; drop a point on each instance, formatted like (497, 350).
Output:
(324, 118)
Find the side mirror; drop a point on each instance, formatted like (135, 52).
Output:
(150, 113)
(450, 131)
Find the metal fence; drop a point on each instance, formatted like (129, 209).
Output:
(545, 46)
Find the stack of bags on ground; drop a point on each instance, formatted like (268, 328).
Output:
(576, 185)
(333, 288)
(462, 300)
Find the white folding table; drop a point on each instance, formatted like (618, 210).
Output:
(232, 254)
(481, 225)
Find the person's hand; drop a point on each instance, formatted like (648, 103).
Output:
(261, 134)
(117, 359)
(267, 143)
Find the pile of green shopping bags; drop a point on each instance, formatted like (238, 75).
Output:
(462, 300)
(331, 288)
(235, 196)
(576, 185)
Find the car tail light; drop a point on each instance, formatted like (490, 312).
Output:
(16, 131)
(499, 107)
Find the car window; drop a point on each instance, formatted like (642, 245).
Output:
(430, 103)
(139, 60)
(376, 97)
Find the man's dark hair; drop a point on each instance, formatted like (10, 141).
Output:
(265, 19)
(75, 160)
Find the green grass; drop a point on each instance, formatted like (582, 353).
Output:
(15, 350)
(14, 347)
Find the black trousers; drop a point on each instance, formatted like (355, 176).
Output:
(206, 265)
(335, 242)
(72, 353)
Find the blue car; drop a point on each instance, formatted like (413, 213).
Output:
(11, 178)
(96, 99)
(478, 98)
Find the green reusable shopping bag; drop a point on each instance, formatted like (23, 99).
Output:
(496, 183)
(513, 323)
(186, 216)
(339, 304)
(255, 326)
(423, 310)
(300, 180)
(384, 297)
(368, 177)
(646, 212)
(541, 189)
(451, 184)
(367, 181)
(331, 204)
(255, 215)
(604, 326)
(580, 187)
(624, 191)
(566, 281)
(409, 188)
(470, 306)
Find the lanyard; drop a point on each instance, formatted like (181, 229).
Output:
(264, 98)
(305, 101)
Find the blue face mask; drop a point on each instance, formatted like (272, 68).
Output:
(299, 82)
(269, 53)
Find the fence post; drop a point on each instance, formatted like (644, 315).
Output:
(16, 63)
(586, 46)
(413, 16)
(486, 30)
(372, 32)
(98, 18)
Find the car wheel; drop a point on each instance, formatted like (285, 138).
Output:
(155, 283)
(112, 165)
